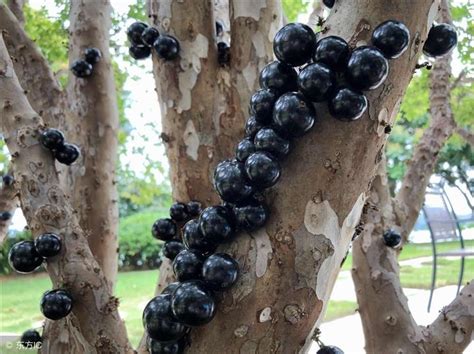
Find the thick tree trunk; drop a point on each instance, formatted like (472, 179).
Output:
(16, 6)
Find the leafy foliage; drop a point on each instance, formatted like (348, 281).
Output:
(292, 8)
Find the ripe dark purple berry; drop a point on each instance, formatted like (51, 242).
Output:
(56, 304)
(230, 181)
(175, 347)
(252, 216)
(23, 257)
(194, 208)
(329, 3)
(278, 77)
(81, 68)
(170, 288)
(172, 248)
(223, 53)
(52, 139)
(441, 40)
(149, 36)
(391, 38)
(192, 303)
(316, 82)
(5, 216)
(167, 47)
(217, 224)
(244, 148)
(48, 245)
(261, 105)
(187, 265)
(194, 240)
(367, 68)
(159, 322)
(294, 44)
(293, 115)
(92, 55)
(392, 238)
(164, 229)
(263, 169)
(347, 105)
(139, 52)
(31, 339)
(330, 349)
(219, 28)
(8, 180)
(67, 154)
(179, 212)
(220, 271)
(252, 127)
(135, 31)
(268, 140)
(333, 51)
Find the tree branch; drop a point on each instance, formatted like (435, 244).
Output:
(94, 325)
(8, 203)
(16, 7)
(466, 134)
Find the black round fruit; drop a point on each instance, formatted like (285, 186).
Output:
(223, 53)
(441, 40)
(347, 105)
(294, 44)
(230, 181)
(261, 105)
(167, 47)
(329, 3)
(175, 347)
(391, 38)
(278, 77)
(252, 216)
(268, 140)
(263, 169)
(135, 31)
(164, 229)
(81, 68)
(48, 245)
(92, 55)
(179, 212)
(332, 51)
(31, 339)
(139, 52)
(244, 148)
(187, 265)
(194, 240)
(52, 139)
(220, 271)
(330, 349)
(217, 224)
(293, 115)
(172, 248)
(194, 208)
(316, 82)
(159, 322)
(23, 257)
(8, 180)
(252, 127)
(192, 303)
(149, 36)
(170, 288)
(5, 216)
(219, 28)
(392, 238)
(367, 68)
(56, 304)
(67, 154)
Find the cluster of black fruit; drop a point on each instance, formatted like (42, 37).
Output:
(84, 67)
(143, 37)
(65, 153)
(31, 339)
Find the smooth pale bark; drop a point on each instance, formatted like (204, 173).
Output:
(94, 324)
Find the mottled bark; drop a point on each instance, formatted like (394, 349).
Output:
(94, 325)
(16, 6)
(466, 134)
(8, 203)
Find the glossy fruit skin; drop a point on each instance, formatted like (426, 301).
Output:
(8, 180)
(52, 139)
(330, 349)
(333, 51)
(220, 271)
(391, 38)
(278, 77)
(263, 169)
(139, 52)
(268, 140)
(164, 229)
(392, 238)
(194, 208)
(5, 215)
(223, 53)
(316, 82)
(167, 47)
(293, 115)
(135, 31)
(252, 216)
(170, 287)
(81, 68)
(31, 339)
(48, 245)
(23, 257)
(243, 149)
(231, 182)
(194, 240)
(261, 105)
(329, 3)
(149, 36)
(159, 322)
(92, 55)
(367, 68)
(172, 248)
(294, 44)
(252, 127)
(174, 347)
(67, 154)
(193, 304)
(56, 304)
(179, 212)
(187, 265)
(217, 224)
(441, 40)
(347, 105)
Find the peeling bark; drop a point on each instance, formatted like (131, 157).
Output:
(8, 202)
